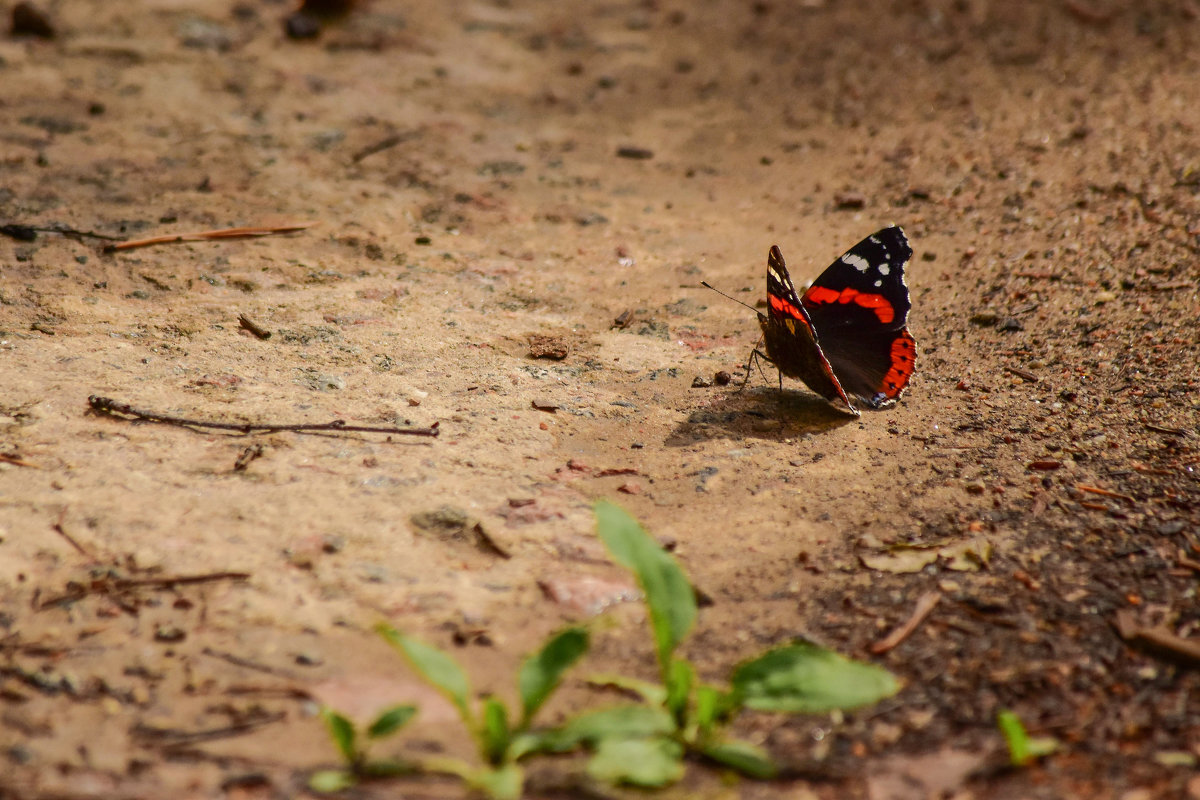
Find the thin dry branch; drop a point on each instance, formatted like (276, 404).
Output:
(203, 236)
(106, 405)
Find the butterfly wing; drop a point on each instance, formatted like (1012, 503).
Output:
(791, 339)
(859, 308)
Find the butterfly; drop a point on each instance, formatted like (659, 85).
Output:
(846, 337)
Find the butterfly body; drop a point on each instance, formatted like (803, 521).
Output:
(847, 337)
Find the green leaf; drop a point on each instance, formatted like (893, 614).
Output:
(653, 693)
(541, 673)
(1023, 749)
(331, 780)
(679, 688)
(391, 720)
(804, 678)
(618, 722)
(748, 759)
(495, 730)
(341, 730)
(524, 743)
(501, 783)
(1016, 737)
(713, 706)
(434, 666)
(648, 763)
(669, 596)
(387, 768)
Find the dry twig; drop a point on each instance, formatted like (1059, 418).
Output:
(1105, 493)
(106, 405)
(1022, 374)
(61, 531)
(204, 236)
(924, 606)
(1156, 637)
(253, 327)
(115, 586)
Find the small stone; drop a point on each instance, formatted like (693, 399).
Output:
(847, 201)
(722, 378)
(29, 20)
(551, 347)
(1105, 297)
(1171, 527)
(636, 153)
(700, 382)
(975, 487)
(302, 26)
(588, 594)
(984, 319)
(1010, 324)
(169, 634)
(306, 658)
(446, 522)
(630, 488)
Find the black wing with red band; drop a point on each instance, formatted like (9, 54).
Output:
(791, 337)
(858, 308)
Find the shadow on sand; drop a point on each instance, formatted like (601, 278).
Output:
(761, 413)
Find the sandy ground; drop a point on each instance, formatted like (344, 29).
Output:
(460, 161)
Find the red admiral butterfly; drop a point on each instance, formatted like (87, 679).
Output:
(846, 338)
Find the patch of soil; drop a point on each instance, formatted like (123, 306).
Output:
(515, 204)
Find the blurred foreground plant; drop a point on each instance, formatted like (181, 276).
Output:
(641, 744)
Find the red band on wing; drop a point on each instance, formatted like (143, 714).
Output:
(904, 358)
(781, 306)
(883, 309)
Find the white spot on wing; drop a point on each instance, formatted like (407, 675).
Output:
(858, 262)
(884, 269)
(878, 284)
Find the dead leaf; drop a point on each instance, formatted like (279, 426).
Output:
(900, 560)
(969, 556)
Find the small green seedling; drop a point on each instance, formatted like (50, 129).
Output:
(358, 766)
(644, 745)
(1023, 749)
(641, 744)
(501, 741)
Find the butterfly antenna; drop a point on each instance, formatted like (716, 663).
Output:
(708, 285)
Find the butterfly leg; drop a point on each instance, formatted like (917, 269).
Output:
(756, 357)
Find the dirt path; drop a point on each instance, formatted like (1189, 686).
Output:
(463, 163)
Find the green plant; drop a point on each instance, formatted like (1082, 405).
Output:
(641, 744)
(501, 742)
(644, 744)
(347, 740)
(1023, 749)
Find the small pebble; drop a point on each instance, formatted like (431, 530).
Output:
(302, 26)
(307, 658)
(848, 201)
(169, 634)
(29, 20)
(636, 153)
